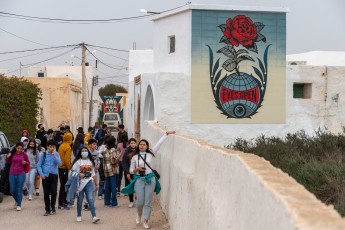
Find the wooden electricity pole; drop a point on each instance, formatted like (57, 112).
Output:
(83, 84)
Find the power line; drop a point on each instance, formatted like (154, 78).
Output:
(107, 48)
(31, 55)
(31, 64)
(109, 66)
(112, 55)
(23, 38)
(21, 51)
(73, 21)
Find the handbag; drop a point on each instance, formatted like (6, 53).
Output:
(26, 166)
(153, 170)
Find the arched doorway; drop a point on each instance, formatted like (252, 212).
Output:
(149, 106)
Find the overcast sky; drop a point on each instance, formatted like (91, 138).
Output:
(311, 25)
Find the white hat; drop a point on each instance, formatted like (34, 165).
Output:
(24, 139)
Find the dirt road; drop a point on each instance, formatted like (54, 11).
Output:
(31, 216)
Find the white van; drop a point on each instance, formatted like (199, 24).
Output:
(112, 120)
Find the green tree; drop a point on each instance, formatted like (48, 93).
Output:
(111, 90)
(19, 106)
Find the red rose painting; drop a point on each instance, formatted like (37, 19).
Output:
(240, 30)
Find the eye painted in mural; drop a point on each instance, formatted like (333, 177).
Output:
(239, 94)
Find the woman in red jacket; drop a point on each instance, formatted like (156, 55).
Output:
(19, 161)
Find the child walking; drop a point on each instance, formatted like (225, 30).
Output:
(85, 165)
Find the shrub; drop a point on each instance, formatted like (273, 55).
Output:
(317, 162)
(19, 104)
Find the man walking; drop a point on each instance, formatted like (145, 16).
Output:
(47, 167)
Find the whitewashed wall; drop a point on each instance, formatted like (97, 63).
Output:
(173, 101)
(206, 187)
(178, 25)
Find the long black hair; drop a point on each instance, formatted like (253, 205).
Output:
(35, 148)
(79, 156)
(137, 150)
(111, 143)
(14, 149)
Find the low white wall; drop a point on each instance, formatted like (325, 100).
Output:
(208, 187)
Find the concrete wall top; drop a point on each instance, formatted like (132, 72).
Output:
(220, 8)
(209, 187)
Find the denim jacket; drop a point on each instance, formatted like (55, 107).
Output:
(71, 186)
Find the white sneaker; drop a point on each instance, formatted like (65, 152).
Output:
(145, 225)
(78, 218)
(138, 220)
(30, 197)
(95, 219)
(100, 198)
(19, 208)
(131, 205)
(15, 205)
(37, 192)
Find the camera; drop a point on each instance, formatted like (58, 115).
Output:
(87, 174)
(142, 173)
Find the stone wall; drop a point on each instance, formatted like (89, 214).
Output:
(208, 187)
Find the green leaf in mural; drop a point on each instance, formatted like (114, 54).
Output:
(244, 57)
(260, 38)
(253, 48)
(259, 26)
(229, 65)
(222, 27)
(228, 51)
(223, 39)
(241, 51)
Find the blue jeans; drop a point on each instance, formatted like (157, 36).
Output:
(100, 187)
(88, 190)
(16, 187)
(30, 180)
(110, 190)
(144, 193)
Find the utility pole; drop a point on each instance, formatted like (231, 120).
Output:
(83, 83)
(20, 72)
(91, 100)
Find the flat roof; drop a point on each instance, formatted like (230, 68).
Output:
(219, 7)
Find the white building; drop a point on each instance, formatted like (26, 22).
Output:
(161, 88)
(74, 73)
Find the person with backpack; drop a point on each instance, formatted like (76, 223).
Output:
(47, 166)
(145, 180)
(126, 163)
(18, 160)
(65, 152)
(100, 135)
(33, 154)
(85, 166)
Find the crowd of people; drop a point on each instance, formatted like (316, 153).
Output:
(88, 166)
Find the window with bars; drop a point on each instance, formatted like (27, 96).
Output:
(40, 74)
(172, 42)
(302, 90)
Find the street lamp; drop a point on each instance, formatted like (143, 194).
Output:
(148, 12)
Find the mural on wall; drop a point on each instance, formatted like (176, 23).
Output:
(113, 104)
(238, 72)
(239, 94)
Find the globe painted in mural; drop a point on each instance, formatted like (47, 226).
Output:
(239, 95)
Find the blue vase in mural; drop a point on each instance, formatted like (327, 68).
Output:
(239, 94)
